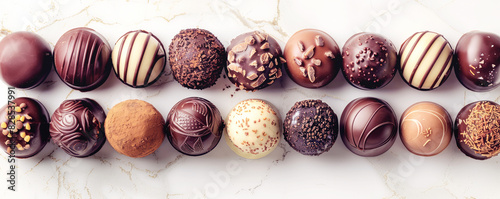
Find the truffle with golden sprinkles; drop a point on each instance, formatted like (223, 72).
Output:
(253, 129)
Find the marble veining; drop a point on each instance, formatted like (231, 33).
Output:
(284, 173)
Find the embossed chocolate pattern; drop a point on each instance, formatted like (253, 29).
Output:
(368, 126)
(478, 57)
(254, 61)
(426, 59)
(24, 126)
(369, 61)
(197, 58)
(477, 130)
(77, 126)
(310, 127)
(194, 126)
(313, 58)
(425, 128)
(138, 58)
(82, 59)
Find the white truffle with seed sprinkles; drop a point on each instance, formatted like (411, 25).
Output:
(253, 129)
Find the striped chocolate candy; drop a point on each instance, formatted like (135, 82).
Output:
(426, 59)
(138, 58)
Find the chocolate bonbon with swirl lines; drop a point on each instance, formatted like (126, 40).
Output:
(77, 126)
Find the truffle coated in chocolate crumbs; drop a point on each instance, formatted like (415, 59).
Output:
(311, 127)
(197, 58)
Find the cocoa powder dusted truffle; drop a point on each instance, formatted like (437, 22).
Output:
(312, 58)
(369, 61)
(425, 128)
(253, 129)
(254, 61)
(25, 59)
(197, 58)
(134, 128)
(478, 57)
(194, 126)
(77, 126)
(477, 130)
(310, 127)
(24, 126)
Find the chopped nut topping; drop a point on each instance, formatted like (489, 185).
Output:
(311, 73)
(316, 62)
(309, 53)
(230, 56)
(27, 138)
(252, 52)
(254, 63)
(250, 40)
(298, 61)
(319, 41)
(265, 46)
(4, 125)
(264, 58)
(329, 54)
(252, 76)
(301, 46)
(240, 47)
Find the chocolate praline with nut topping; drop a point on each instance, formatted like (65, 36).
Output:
(312, 58)
(478, 59)
(24, 126)
(254, 61)
(477, 130)
(77, 126)
(369, 61)
(197, 58)
(194, 126)
(310, 127)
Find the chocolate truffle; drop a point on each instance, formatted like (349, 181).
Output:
(311, 127)
(425, 128)
(477, 130)
(194, 126)
(25, 59)
(478, 57)
(368, 126)
(197, 58)
(134, 128)
(313, 58)
(82, 59)
(138, 58)
(426, 59)
(254, 61)
(24, 126)
(369, 61)
(77, 126)
(253, 129)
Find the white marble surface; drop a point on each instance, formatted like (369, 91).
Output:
(284, 173)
